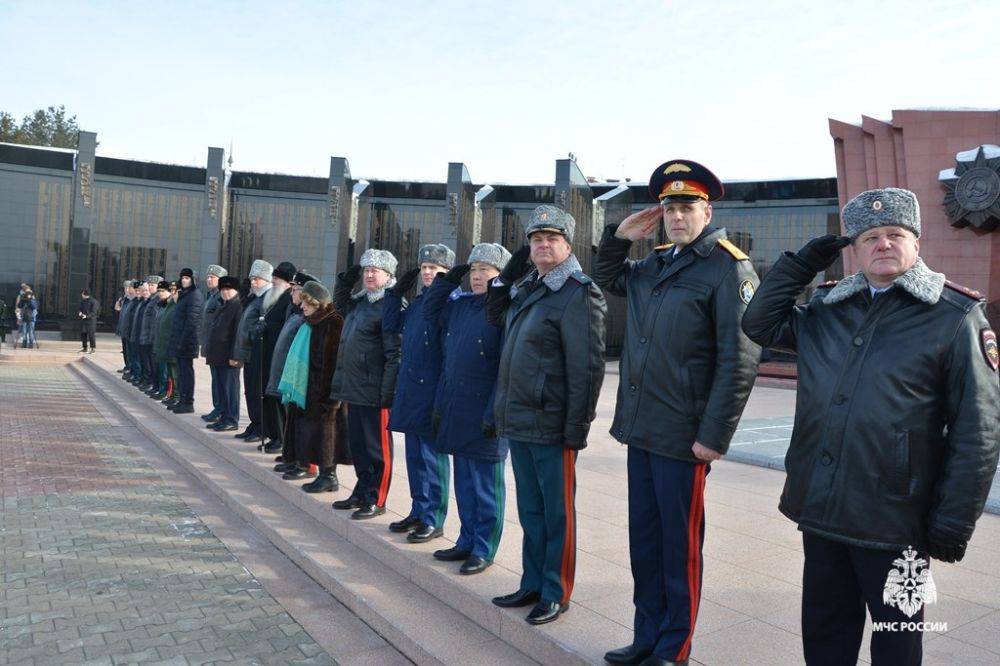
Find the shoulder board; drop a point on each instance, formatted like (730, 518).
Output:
(971, 293)
(829, 284)
(737, 253)
(665, 246)
(581, 277)
(456, 294)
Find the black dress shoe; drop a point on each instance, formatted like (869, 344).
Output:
(272, 447)
(281, 468)
(351, 502)
(184, 409)
(517, 599)
(296, 473)
(474, 565)
(252, 437)
(158, 396)
(279, 459)
(453, 554)
(405, 525)
(546, 611)
(324, 483)
(246, 433)
(653, 660)
(368, 511)
(424, 532)
(211, 417)
(630, 654)
(224, 427)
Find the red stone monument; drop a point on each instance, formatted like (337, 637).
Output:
(950, 160)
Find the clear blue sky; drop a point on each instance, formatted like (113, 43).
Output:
(401, 88)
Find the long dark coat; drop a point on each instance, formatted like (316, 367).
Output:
(187, 324)
(331, 439)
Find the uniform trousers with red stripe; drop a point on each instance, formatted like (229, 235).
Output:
(371, 450)
(666, 523)
(545, 478)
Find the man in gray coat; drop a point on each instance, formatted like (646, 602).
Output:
(212, 303)
(549, 378)
(897, 426)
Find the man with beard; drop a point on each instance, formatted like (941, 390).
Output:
(246, 340)
(420, 365)
(184, 338)
(365, 379)
(89, 309)
(276, 308)
(212, 302)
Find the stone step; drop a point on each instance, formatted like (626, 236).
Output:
(420, 605)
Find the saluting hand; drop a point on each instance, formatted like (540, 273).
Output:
(351, 275)
(820, 253)
(517, 266)
(640, 225)
(456, 274)
(705, 454)
(406, 282)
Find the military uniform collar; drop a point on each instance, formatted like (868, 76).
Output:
(920, 282)
(702, 245)
(557, 277)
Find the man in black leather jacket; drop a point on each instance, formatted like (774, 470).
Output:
(685, 375)
(365, 379)
(550, 375)
(896, 424)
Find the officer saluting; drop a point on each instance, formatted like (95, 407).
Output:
(685, 375)
(896, 424)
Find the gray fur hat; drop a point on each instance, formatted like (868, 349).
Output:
(379, 259)
(317, 292)
(490, 253)
(127, 283)
(261, 269)
(888, 206)
(551, 218)
(217, 271)
(437, 254)
(154, 279)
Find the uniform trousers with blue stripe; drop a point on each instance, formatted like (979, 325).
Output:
(480, 492)
(666, 524)
(545, 476)
(428, 475)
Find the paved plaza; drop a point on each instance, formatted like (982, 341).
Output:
(111, 551)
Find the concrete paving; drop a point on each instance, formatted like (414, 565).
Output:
(750, 609)
(104, 559)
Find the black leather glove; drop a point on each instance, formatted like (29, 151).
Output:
(351, 275)
(489, 430)
(435, 422)
(518, 266)
(944, 547)
(820, 253)
(456, 274)
(406, 282)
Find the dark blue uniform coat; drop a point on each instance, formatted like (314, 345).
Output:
(419, 365)
(465, 393)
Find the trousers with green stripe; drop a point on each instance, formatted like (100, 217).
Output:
(480, 492)
(546, 507)
(427, 472)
